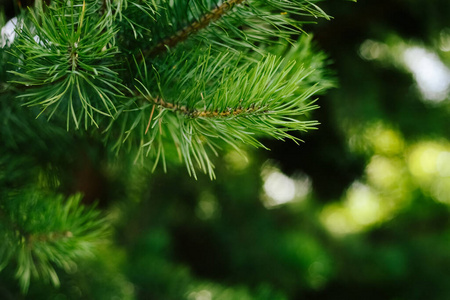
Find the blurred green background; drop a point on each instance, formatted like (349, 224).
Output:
(360, 210)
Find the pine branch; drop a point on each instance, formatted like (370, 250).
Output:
(179, 92)
(243, 28)
(41, 231)
(67, 63)
(192, 28)
(217, 87)
(48, 237)
(222, 98)
(195, 113)
(87, 87)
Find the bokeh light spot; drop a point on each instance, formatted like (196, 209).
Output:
(7, 33)
(207, 207)
(430, 73)
(279, 187)
(443, 164)
(429, 163)
(384, 140)
(384, 172)
(360, 209)
(370, 50)
(363, 205)
(440, 190)
(237, 160)
(423, 159)
(336, 220)
(200, 295)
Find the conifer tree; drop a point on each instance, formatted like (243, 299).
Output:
(134, 85)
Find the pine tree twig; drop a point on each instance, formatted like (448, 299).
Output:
(228, 113)
(150, 119)
(184, 33)
(48, 237)
(195, 113)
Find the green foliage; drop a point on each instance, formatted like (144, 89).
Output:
(74, 63)
(149, 82)
(223, 97)
(358, 211)
(265, 22)
(67, 55)
(42, 231)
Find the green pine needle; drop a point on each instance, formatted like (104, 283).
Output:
(41, 232)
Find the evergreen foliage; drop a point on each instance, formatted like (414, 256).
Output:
(76, 62)
(369, 217)
(128, 83)
(40, 243)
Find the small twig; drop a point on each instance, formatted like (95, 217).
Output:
(184, 33)
(195, 113)
(48, 237)
(150, 119)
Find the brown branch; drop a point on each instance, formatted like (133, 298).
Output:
(48, 237)
(195, 113)
(184, 33)
(30, 238)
